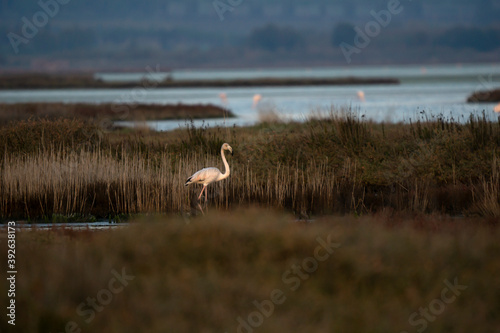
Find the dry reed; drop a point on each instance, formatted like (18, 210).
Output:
(341, 164)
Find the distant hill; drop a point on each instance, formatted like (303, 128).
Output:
(58, 35)
(301, 13)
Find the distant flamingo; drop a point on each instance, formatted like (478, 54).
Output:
(497, 108)
(256, 100)
(223, 98)
(361, 95)
(208, 176)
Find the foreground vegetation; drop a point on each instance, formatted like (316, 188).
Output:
(333, 163)
(220, 272)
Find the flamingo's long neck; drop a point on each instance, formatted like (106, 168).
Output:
(227, 172)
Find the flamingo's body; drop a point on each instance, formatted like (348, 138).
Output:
(207, 176)
(223, 98)
(256, 100)
(361, 95)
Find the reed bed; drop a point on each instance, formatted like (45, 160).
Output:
(335, 164)
(91, 183)
(96, 184)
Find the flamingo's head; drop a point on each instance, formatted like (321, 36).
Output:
(226, 146)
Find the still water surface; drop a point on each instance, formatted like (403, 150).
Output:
(437, 90)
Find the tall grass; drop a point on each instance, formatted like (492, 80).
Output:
(90, 183)
(488, 203)
(338, 164)
(94, 183)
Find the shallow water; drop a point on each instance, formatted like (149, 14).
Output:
(437, 90)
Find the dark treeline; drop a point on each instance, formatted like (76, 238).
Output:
(481, 12)
(195, 33)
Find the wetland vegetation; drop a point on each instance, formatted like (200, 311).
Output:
(334, 224)
(333, 163)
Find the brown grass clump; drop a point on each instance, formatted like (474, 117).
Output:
(489, 193)
(40, 136)
(109, 111)
(487, 96)
(207, 274)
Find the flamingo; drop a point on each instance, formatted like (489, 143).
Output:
(256, 100)
(361, 95)
(223, 98)
(210, 175)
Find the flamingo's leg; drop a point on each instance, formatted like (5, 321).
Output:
(204, 187)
